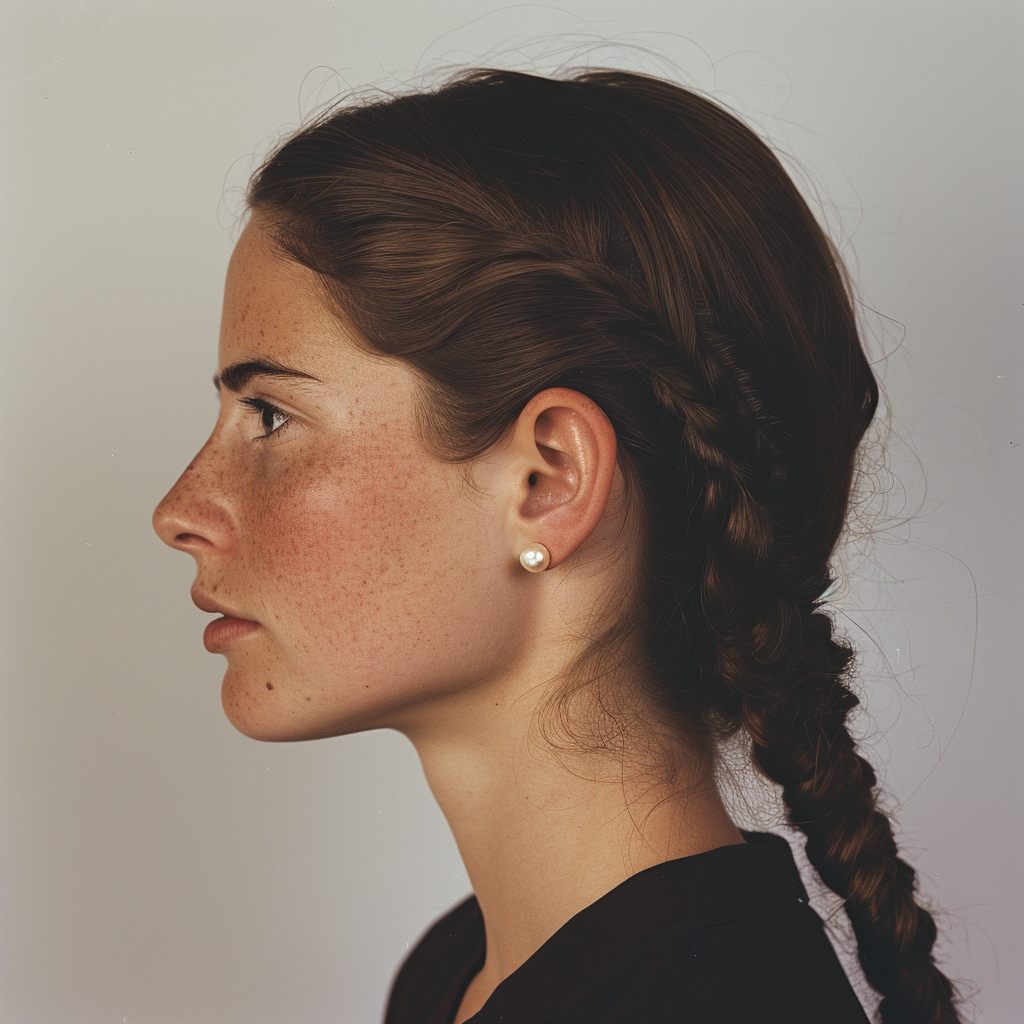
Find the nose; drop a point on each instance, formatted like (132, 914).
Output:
(193, 517)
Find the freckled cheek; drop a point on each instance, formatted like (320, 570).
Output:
(346, 555)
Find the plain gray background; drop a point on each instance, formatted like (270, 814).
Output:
(159, 868)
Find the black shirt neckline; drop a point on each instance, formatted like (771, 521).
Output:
(725, 884)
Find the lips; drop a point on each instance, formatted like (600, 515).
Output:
(207, 604)
(224, 633)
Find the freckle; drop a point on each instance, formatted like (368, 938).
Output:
(270, 686)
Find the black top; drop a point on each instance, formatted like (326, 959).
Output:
(726, 935)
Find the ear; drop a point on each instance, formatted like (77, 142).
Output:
(562, 457)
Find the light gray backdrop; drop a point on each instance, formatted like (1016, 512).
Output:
(159, 868)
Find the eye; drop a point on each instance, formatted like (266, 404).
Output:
(273, 420)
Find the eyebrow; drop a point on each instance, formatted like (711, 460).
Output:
(235, 377)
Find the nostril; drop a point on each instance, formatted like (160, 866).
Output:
(190, 539)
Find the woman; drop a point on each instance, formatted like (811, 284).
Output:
(540, 401)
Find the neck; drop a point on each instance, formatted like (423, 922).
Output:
(543, 836)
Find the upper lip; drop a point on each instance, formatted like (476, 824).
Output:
(207, 604)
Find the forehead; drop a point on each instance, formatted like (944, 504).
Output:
(275, 311)
(272, 306)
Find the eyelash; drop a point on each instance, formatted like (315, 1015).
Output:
(267, 414)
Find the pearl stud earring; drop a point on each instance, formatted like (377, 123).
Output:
(535, 558)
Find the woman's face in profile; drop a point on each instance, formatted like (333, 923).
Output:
(362, 566)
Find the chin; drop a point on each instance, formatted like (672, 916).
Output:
(264, 712)
(259, 715)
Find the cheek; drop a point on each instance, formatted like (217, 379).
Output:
(356, 566)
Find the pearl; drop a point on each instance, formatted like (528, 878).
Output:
(535, 558)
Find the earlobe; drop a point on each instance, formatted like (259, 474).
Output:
(564, 457)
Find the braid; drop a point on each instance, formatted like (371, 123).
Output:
(782, 675)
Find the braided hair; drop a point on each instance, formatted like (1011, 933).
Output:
(630, 239)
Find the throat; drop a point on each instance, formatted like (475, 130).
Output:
(541, 843)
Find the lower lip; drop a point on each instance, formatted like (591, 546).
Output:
(223, 633)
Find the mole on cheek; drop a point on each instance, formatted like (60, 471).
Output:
(270, 686)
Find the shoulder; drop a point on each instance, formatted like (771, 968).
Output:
(777, 966)
(725, 936)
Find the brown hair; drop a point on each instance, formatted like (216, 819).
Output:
(627, 238)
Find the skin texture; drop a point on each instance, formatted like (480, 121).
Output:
(387, 592)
